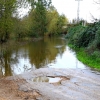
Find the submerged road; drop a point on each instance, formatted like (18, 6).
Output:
(52, 84)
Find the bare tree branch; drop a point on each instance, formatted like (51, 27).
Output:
(97, 2)
(93, 18)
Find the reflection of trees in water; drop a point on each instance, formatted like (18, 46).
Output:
(44, 52)
(5, 69)
(39, 53)
(60, 50)
(6, 61)
(8, 71)
(18, 54)
(41, 79)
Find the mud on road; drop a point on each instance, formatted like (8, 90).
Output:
(51, 84)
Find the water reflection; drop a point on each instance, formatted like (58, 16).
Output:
(49, 52)
(47, 79)
(31, 56)
(43, 52)
(68, 60)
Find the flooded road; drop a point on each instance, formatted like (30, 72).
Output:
(51, 84)
(46, 70)
(46, 53)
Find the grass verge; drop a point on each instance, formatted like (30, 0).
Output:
(89, 60)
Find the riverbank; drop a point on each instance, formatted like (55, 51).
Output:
(85, 40)
(91, 61)
(40, 84)
(14, 43)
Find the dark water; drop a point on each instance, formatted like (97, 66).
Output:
(49, 52)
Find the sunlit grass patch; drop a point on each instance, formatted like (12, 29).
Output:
(89, 60)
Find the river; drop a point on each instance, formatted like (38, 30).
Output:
(45, 53)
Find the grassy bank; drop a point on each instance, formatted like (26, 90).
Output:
(90, 60)
(85, 40)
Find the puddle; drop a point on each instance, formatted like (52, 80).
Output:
(55, 80)
(47, 79)
(50, 79)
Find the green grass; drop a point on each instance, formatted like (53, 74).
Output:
(88, 59)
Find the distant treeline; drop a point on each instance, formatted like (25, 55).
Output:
(42, 19)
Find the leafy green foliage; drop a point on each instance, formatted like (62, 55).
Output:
(52, 16)
(45, 3)
(74, 33)
(61, 22)
(39, 19)
(55, 22)
(86, 41)
(82, 36)
(43, 19)
(87, 36)
(6, 10)
(46, 21)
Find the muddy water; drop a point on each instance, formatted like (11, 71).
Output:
(49, 52)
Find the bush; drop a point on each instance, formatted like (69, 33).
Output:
(74, 32)
(86, 41)
(85, 37)
(81, 36)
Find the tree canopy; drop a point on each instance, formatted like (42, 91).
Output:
(42, 19)
(6, 9)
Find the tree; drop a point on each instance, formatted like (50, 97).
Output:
(6, 10)
(39, 18)
(61, 23)
(55, 22)
(52, 17)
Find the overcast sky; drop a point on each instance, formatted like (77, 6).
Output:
(69, 8)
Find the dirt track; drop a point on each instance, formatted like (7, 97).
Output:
(75, 84)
